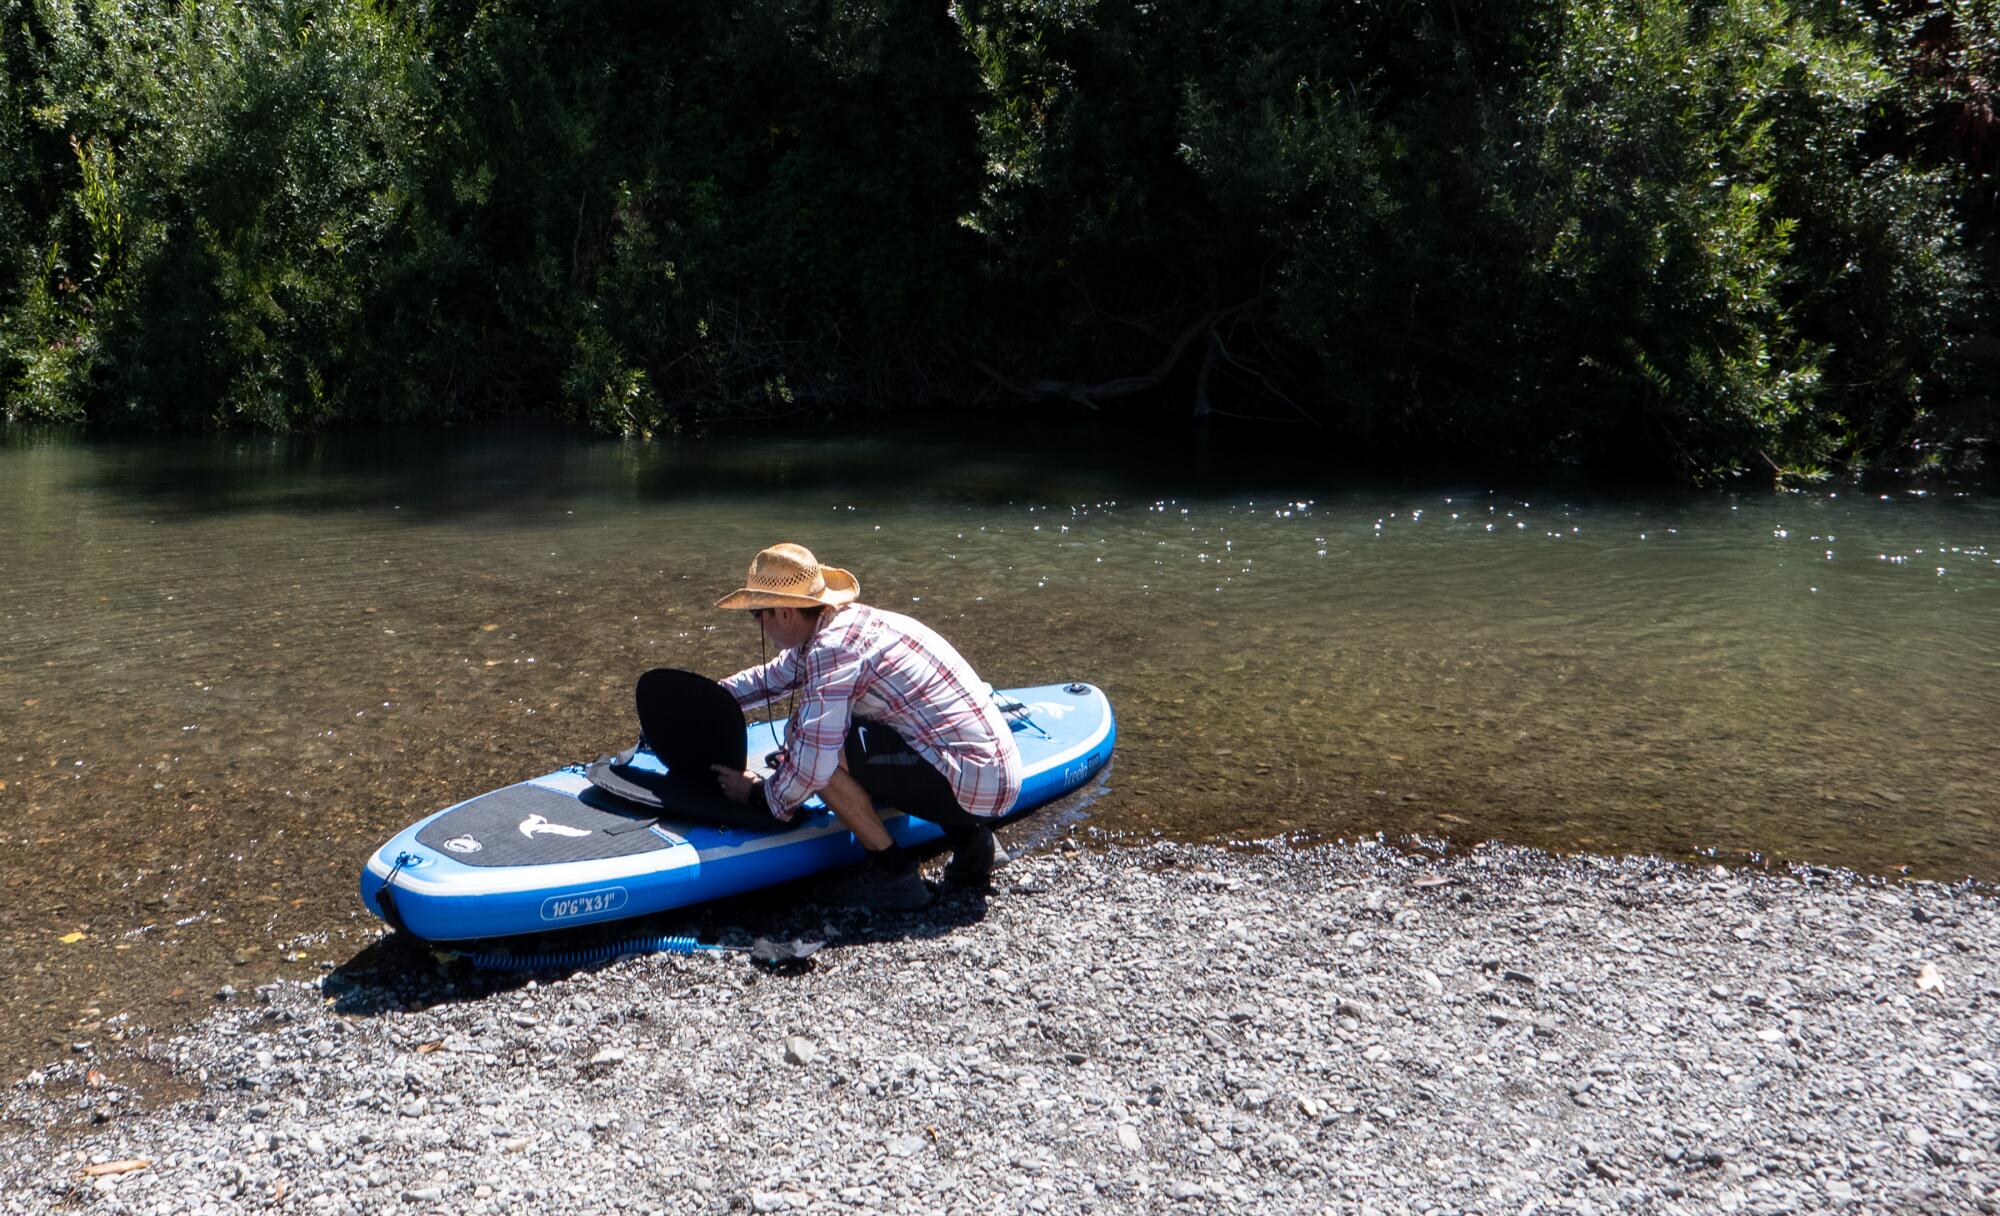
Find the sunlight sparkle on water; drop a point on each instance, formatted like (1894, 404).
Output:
(1595, 694)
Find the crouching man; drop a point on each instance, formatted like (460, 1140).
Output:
(886, 713)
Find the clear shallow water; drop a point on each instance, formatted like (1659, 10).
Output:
(229, 669)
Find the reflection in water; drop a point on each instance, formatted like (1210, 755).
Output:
(228, 669)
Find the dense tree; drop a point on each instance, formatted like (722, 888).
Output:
(1698, 235)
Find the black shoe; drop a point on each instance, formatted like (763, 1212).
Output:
(974, 857)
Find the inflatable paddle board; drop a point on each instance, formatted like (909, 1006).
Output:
(553, 851)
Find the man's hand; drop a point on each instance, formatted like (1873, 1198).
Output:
(736, 786)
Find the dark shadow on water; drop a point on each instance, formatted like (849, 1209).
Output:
(502, 471)
(506, 471)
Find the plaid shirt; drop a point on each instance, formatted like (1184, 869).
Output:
(882, 667)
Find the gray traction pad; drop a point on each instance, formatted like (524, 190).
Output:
(496, 820)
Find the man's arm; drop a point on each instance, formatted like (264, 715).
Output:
(818, 730)
(758, 686)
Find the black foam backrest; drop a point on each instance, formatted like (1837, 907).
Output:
(691, 723)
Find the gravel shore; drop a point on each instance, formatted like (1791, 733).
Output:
(1161, 1028)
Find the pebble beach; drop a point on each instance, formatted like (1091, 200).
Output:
(1340, 1028)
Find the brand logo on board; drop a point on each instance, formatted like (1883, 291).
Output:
(535, 825)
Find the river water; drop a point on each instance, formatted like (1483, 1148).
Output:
(229, 668)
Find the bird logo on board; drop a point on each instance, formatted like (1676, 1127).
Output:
(535, 825)
(463, 844)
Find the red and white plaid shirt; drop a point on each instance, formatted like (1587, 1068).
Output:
(883, 667)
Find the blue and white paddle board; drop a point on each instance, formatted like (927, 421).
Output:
(537, 855)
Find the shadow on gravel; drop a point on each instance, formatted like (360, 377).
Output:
(400, 973)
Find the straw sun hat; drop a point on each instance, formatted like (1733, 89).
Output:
(789, 576)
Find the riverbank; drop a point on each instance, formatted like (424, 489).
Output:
(1341, 1028)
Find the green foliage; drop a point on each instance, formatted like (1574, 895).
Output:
(1696, 235)
(1602, 230)
(1658, 166)
(732, 211)
(237, 177)
(1704, 177)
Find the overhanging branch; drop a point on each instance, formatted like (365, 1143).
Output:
(1090, 395)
